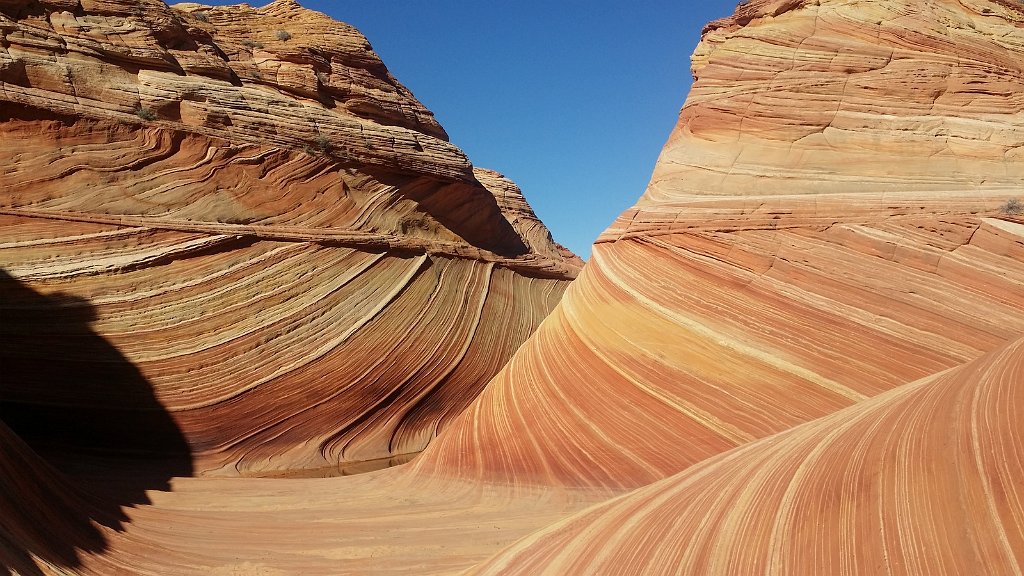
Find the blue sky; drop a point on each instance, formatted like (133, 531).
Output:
(572, 100)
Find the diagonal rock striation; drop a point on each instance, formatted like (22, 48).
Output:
(922, 479)
(766, 278)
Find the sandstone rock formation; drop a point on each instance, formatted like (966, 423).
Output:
(808, 97)
(43, 519)
(724, 308)
(800, 351)
(272, 232)
(785, 263)
(924, 479)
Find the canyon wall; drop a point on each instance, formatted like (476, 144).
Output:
(802, 347)
(267, 242)
(799, 351)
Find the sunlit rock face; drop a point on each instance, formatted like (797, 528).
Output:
(925, 479)
(802, 347)
(738, 299)
(263, 222)
(799, 352)
(861, 97)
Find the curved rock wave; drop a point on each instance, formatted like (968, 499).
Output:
(273, 233)
(919, 480)
(801, 350)
(672, 348)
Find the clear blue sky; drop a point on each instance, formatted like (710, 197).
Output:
(572, 100)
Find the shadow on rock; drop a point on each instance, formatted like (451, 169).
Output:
(81, 433)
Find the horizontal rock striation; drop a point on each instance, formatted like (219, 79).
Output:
(860, 97)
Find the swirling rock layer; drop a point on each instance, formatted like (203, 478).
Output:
(791, 261)
(672, 348)
(920, 480)
(748, 290)
(799, 352)
(275, 236)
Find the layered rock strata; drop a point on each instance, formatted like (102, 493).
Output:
(857, 266)
(807, 97)
(806, 361)
(923, 479)
(272, 232)
(736, 300)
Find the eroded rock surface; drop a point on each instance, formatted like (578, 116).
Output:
(718, 310)
(266, 225)
(806, 97)
(800, 351)
(918, 477)
(812, 316)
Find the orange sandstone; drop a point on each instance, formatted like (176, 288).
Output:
(800, 351)
(272, 232)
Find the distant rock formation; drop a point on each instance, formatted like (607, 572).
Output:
(266, 225)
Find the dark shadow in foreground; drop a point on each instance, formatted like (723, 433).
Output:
(81, 433)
